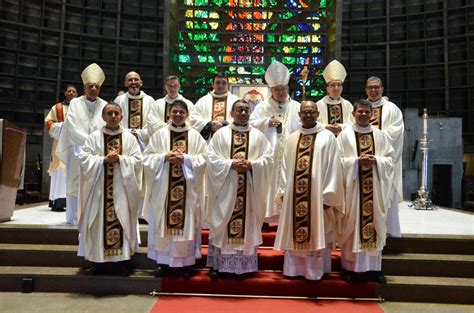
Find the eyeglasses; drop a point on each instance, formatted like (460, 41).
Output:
(242, 110)
(335, 85)
(372, 87)
(309, 112)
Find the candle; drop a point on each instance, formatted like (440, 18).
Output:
(425, 121)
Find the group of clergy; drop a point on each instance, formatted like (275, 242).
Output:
(328, 173)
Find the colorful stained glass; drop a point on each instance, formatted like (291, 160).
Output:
(242, 37)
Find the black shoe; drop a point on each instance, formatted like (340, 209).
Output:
(350, 276)
(376, 276)
(161, 271)
(187, 273)
(142, 221)
(214, 274)
(243, 276)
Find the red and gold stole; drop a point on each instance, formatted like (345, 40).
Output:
(219, 108)
(113, 231)
(368, 236)
(302, 191)
(59, 115)
(236, 226)
(376, 119)
(135, 116)
(335, 113)
(176, 200)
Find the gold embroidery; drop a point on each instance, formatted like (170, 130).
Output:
(219, 108)
(176, 200)
(368, 235)
(302, 192)
(376, 119)
(135, 109)
(113, 231)
(236, 225)
(335, 113)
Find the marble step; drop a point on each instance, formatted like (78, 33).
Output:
(428, 289)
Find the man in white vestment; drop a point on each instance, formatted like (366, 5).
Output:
(212, 111)
(57, 169)
(238, 173)
(312, 192)
(334, 110)
(160, 114)
(175, 166)
(136, 106)
(277, 118)
(389, 118)
(368, 172)
(110, 182)
(84, 117)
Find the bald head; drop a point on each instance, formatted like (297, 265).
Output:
(133, 82)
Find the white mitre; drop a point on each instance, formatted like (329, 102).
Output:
(277, 74)
(93, 74)
(334, 71)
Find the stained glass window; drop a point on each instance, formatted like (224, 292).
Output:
(241, 38)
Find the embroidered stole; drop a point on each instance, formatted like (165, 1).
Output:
(166, 113)
(368, 236)
(176, 200)
(302, 192)
(335, 113)
(135, 116)
(219, 109)
(376, 119)
(113, 231)
(236, 225)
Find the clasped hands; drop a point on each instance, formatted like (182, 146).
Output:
(241, 165)
(112, 157)
(174, 157)
(367, 160)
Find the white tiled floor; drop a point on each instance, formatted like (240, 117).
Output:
(440, 221)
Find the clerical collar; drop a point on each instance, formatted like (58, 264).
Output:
(240, 128)
(171, 100)
(107, 131)
(139, 96)
(178, 129)
(328, 100)
(363, 130)
(376, 104)
(214, 95)
(277, 104)
(316, 129)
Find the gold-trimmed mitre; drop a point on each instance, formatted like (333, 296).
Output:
(277, 74)
(93, 74)
(334, 71)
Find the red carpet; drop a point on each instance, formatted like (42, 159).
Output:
(167, 304)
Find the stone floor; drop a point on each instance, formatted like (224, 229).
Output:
(440, 221)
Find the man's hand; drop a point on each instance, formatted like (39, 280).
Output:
(367, 160)
(216, 125)
(334, 128)
(241, 165)
(274, 122)
(174, 157)
(112, 157)
(134, 132)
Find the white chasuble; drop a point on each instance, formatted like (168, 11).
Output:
(353, 223)
(326, 189)
(335, 112)
(222, 182)
(287, 113)
(174, 223)
(83, 118)
(125, 192)
(135, 110)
